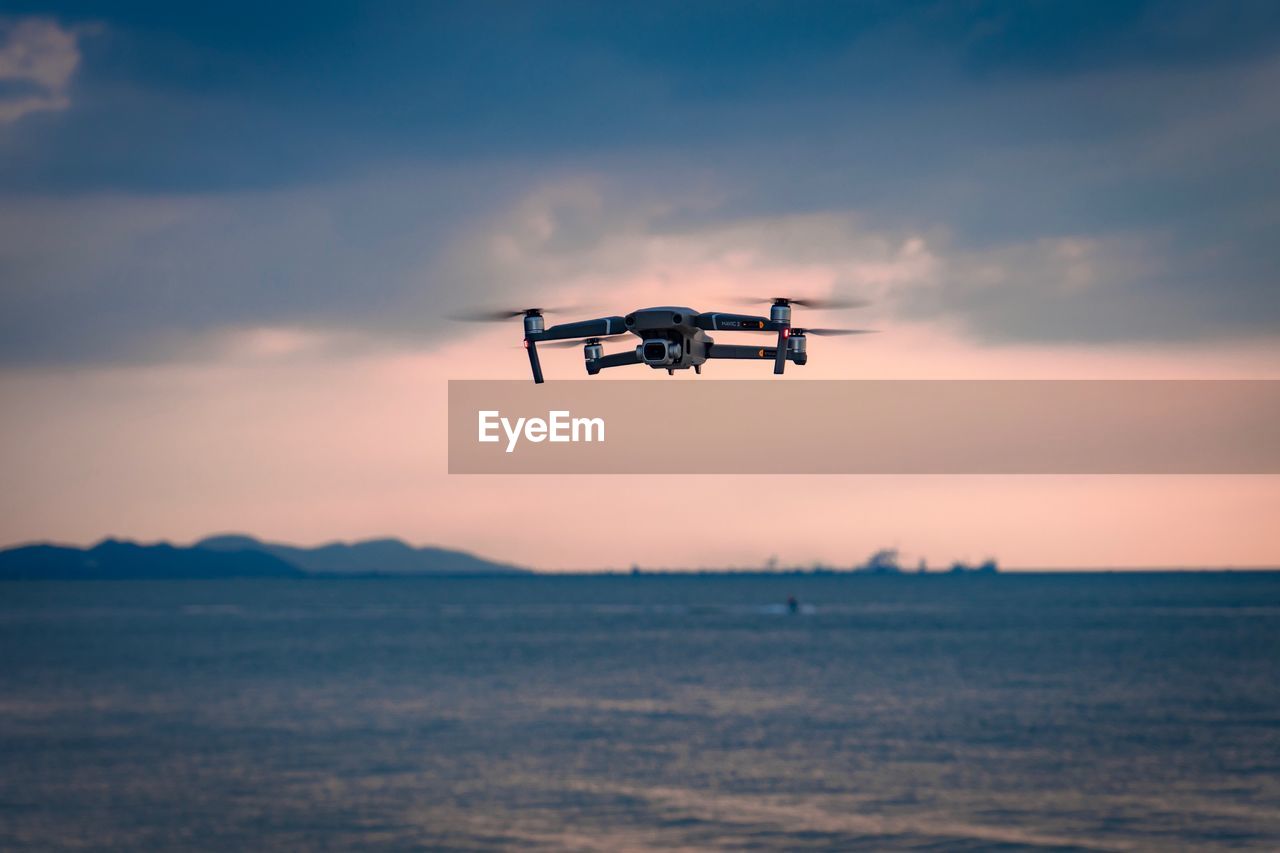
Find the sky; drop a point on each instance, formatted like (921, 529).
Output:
(231, 237)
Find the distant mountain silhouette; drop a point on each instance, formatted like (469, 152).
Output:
(372, 556)
(236, 556)
(113, 559)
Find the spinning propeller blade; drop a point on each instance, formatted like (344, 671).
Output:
(831, 333)
(832, 303)
(485, 316)
(498, 315)
(828, 303)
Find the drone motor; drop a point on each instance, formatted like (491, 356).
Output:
(797, 349)
(534, 324)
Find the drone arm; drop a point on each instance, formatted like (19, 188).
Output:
(584, 329)
(617, 359)
(753, 353)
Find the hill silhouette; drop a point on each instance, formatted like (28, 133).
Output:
(236, 555)
(116, 559)
(371, 556)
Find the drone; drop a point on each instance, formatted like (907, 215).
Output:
(673, 338)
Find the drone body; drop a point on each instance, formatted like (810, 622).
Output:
(674, 337)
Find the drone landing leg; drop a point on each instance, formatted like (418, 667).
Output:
(532, 347)
(780, 357)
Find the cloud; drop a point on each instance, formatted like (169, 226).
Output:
(38, 58)
(605, 242)
(383, 262)
(117, 277)
(1045, 177)
(380, 263)
(595, 236)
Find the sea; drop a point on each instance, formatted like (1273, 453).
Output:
(1119, 711)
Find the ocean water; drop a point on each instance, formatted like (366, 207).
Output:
(1116, 712)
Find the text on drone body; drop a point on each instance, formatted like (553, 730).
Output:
(559, 426)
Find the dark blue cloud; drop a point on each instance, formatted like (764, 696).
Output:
(997, 123)
(1075, 37)
(181, 96)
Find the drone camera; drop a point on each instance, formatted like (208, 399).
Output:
(659, 352)
(654, 352)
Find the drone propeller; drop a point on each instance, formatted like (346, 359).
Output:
(488, 315)
(829, 303)
(583, 342)
(831, 333)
